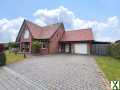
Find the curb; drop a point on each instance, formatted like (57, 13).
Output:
(104, 79)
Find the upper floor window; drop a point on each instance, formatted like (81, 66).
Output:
(26, 34)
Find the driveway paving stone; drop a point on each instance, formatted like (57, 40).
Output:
(56, 72)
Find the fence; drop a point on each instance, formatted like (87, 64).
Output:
(100, 48)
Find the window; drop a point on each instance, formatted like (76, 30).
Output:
(26, 34)
(44, 44)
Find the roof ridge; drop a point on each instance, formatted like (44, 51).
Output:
(33, 23)
(53, 24)
(43, 27)
(72, 30)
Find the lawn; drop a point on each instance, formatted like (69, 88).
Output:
(110, 66)
(12, 58)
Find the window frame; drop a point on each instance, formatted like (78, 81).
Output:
(26, 34)
(44, 44)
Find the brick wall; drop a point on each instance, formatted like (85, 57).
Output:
(54, 41)
(25, 40)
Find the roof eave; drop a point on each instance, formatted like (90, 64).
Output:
(20, 31)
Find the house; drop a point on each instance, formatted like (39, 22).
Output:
(118, 41)
(54, 38)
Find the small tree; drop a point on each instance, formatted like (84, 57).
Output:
(36, 45)
(13, 47)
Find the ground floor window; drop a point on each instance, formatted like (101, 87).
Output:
(44, 44)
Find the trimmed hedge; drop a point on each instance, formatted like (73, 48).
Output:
(115, 50)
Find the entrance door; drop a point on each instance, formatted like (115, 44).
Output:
(25, 46)
(67, 48)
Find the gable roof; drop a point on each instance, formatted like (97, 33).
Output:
(78, 35)
(49, 31)
(34, 29)
(39, 32)
(45, 32)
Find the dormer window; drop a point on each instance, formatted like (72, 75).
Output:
(26, 34)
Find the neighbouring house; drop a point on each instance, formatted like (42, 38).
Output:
(118, 41)
(54, 39)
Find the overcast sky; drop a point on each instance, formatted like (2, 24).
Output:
(103, 16)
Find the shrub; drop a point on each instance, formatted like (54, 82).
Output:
(12, 45)
(115, 50)
(36, 45)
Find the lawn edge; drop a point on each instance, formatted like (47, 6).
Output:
(104, 79)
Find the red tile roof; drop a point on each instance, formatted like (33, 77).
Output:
(46, 32)
(78, 35)
(39, 32)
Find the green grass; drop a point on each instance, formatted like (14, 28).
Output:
(12, 58)
(110, 66)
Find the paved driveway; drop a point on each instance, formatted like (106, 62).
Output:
(57, 72)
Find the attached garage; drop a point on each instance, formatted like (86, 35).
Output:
(81, 48)
(75, 48)
(77, 41)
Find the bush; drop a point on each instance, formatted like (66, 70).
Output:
(12, 45)
(115, 50)
(36, 45)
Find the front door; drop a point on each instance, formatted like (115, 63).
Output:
(67, 48)
(25, 47)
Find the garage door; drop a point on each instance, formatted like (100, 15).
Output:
(81, 48)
